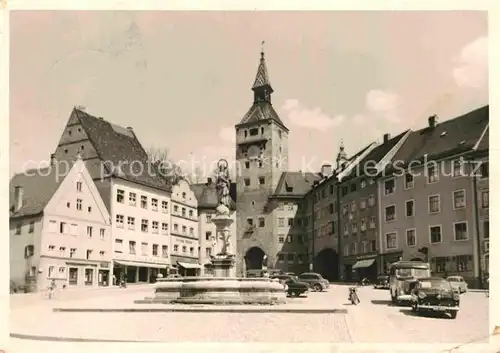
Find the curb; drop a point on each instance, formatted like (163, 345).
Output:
(203, 310)
(68, 339)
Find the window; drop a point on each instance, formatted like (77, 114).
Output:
(281, 222)
(391, 241)
(155, 226)
(155, 250)
(62, 250)
(79, 186)
(410, 208)
(247, 165)
(164, 228)
(144, 249)
(411, 238)
(462, 263)
(191, 231)
(390, 213)
(89, 209)
(460, 231)
(89, 254)
(354, 227)
(73, 230)
(120, 195)
(164, 206)
(102, 233)
(281, 238)
(353, 187)
(184, 229)
(144, 225)
(164, 251)
(373, 245)
(434, 204)
(183, 195)
(63, 228)
(457, 169)
(176, 248)
(362, 204)
(290, 222)
(79, 204)
(183, 212)
(331, 189)
(281, 257)
(208, 235)
(435, 234)
(262, 180)
(354, 248)
(254, 131)
(51, 247)
(72, 252)
(184, 249)
(372, 222)
(409, 181)
(440, 264)
(345, 209)
(365, 248)
(290, 257)
(18, 229)
(131, 222)
(262, 222)
(176, 209)
(90, 231)
(144, 202)
(485, 170)
(432, 174)
(371, 200)
(191, 251)
(119, 220)
(346, 229)
(209, 218)
(154, 204)
(486, 229)
(50, 274)
(363, 225)
(485, 199)
(89, 276)
(389, 186)
(353, 206)
(132, 197)
(62, 272)
(458, 199)
(362, 184)
(247, 181)
(191, 214)
(345, 190)
(289, 239)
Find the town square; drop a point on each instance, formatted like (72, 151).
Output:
(182, 189)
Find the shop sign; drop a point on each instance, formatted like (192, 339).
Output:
(366, 257)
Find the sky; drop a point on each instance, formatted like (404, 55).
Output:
(182, 80)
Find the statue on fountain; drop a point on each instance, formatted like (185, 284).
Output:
(223, 183)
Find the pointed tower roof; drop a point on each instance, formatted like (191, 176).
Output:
(262, 108)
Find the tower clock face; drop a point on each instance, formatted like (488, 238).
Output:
(253, 151)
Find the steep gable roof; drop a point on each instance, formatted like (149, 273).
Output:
(448, 138)
(295, 184)
(121, 152)
(39, 185)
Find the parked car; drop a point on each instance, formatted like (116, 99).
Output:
(458, 283)
(435, 294)
(315, 281)
(295, 288)
(382, 282)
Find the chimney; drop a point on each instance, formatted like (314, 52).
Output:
(326, 170)
(209, 181)
(18, 198)
(432, 121)
(53, 159)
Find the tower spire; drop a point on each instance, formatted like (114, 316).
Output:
(262, 85)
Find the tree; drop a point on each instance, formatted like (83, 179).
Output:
(165, 166)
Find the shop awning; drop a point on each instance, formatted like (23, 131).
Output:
(140, 264)
(188, 265)
(363, 263)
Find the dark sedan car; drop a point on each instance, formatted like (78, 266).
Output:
(435, 294)
(382, 282)
(315, 280)
(295, 288)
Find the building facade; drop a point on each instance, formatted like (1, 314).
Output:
(60, 229)
(185, 232)
(427, 201)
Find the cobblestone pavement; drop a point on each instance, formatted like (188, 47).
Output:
(373, 320)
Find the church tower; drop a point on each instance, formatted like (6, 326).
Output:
(261, 157)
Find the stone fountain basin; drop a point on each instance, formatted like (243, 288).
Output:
(218, 290)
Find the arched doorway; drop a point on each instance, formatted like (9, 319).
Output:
(326, 263)
(253, 258)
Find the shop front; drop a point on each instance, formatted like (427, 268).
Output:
(350, 274)
(187, 266)
(366, 267)
(137, 272)
(387, 259)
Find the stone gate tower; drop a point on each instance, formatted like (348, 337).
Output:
(262, 157)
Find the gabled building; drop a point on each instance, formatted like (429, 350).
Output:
(427, 197)
(59, 229)
(136, 195)
(208, 201)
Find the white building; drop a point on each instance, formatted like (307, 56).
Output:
(59, 229)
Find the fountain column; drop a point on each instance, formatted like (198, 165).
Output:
(223, 260)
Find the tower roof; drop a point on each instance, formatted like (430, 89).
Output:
(262, 77)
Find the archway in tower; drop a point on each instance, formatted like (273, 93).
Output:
(326, 263)
(253, 258)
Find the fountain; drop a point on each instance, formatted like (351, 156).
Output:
(223, 287)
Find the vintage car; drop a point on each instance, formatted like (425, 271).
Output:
(316, 282)
(295, 288)
(435, 294)
(283, 278)
(403, 276)
(382, 282)
(458, 283)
